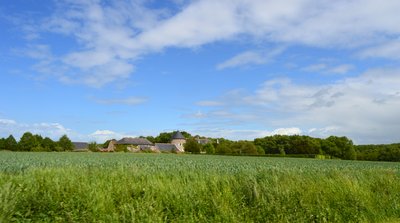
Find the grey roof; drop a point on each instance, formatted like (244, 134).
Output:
(177, 135)
(203, 141)
(80, 145)
(133, 141)
(166, 147)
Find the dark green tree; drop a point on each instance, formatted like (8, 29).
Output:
(224, 147)
(260, 150)
(65, 143)
(150, 138)
(93, 146)
(209, 148)
(164, 137)
(2, 143)
(192, 146)
(243, 147)
(340, 147)
(27, 142)
(11, 144)
(48, 144)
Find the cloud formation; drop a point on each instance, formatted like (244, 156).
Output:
(101, 136)
(364, 108)
(113, 35)
(250, 58)
(52, 130)
(244, 134)
(122, 101)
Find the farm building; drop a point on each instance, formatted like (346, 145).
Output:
(80, 146)
(202, 141)
(133, 144)
(142, 144)
(178, 140)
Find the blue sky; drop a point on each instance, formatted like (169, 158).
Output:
(237, 69)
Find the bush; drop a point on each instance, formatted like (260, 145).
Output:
(93, 147)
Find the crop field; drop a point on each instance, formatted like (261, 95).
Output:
(124, 187)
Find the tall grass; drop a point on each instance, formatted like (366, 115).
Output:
(69, 187)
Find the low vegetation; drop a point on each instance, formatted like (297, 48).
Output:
(125, 187)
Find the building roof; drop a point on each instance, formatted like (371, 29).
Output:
(177, 135)
(80, 145)
(133, 141)
(166, 147)
(203, 141)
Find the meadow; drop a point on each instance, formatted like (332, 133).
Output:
(124, 187)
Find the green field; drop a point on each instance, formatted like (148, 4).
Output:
(123, 187)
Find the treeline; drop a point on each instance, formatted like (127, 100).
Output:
(36, 143)
(334, 146)
(390, 152)
(280, 145)
(298, 146)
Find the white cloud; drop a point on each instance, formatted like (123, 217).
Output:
(250, 58)
(244, 134)
(111, 36)
(209, 103)
(341, 69)
(286, 131)
(52, 130)
(364, 108)
(309, 22)
(124, 101)
(101, 136)
(326, 68)
(55, 131)
(315, 67)
(389, 50)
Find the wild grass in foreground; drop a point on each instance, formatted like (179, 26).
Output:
(71, 187)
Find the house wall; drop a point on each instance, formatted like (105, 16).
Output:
(179, 143)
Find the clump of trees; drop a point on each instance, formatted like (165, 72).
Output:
(165, 137)
(390, 152)
(339, 147)
(35, 143)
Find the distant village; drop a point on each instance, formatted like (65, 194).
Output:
(141, 144)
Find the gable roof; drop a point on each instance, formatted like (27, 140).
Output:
(166, 147)
(80, 145)
(177, 135)
(133, 141)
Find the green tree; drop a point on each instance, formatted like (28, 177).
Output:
(164, 137)
(93, 146)
(340, 147)
(224, 147)
(2, 144)
(192, 146)
(209, 148)
(65, 143)
(249, 148)
(27, 142)
(260, 150)
(48, 144)
(11, 144)
(150, 138)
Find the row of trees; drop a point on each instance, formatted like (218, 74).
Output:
(223, 146)
(339, 147)
(31, 142)
(390, 152)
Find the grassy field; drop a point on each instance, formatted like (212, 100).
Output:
(122, 187)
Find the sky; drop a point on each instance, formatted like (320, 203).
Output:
(238, 69)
